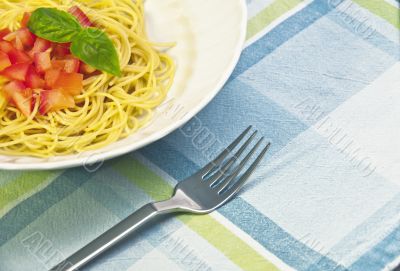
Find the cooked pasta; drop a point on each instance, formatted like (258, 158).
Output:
(110, 107)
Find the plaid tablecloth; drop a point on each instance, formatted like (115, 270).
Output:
(321, 80)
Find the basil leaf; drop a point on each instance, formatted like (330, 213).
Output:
(95, 48)
(54, 25)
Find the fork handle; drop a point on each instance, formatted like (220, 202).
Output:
(108, 239)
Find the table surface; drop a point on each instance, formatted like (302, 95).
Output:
(320, 80)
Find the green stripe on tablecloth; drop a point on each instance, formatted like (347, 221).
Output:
(207, 227)
(383, 9)
(26, 183)
(7, 176)
(269, 14)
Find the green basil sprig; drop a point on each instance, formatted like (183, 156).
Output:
(91, 45)
(98, 50)
(54, 25)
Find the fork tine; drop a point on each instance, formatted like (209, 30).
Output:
(221, 172)
(228, 180)
(237, 185)
(224, 153)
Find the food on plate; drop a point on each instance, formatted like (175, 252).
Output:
(76, 78)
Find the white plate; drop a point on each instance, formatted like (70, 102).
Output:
(210, 35)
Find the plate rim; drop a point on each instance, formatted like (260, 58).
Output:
(108, 155)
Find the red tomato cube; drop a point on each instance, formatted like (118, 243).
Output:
(60, 50)
(80, 16)
(4, 61)
(4, 32)
(42, 61)
(70, 65)
(58, 64)
(16, 71)
(34, 80)
(17, 56)
(12, 87)
(26, 37)
(25, 19)
(20, 95)
(6, 46)
(71, 83)
(53, 100)
(21, 38)
(40, 46)
(51, 77)
(18, 44)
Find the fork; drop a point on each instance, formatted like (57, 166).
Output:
(205, 191)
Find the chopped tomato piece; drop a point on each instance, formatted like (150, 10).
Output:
(26, 37)
(18, 44)
(4, 32)
(4, 61)
(60, 50)
(71, 83)
(34, 80)
(6, 46)
(24, 101)
(70, 65)
(21, 38)
(87, 69)
(20, 95)
(17, 56)
(80, 16)
(11, 36)
(16, 71)
(53, 100)
(30, 64)
(42, 61)
(40, 46)
(12, 87)
(51, 77)
(25, 19)
(58, 64)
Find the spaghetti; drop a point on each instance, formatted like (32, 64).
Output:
(109, 108)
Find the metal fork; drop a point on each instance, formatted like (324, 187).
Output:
(208, 189)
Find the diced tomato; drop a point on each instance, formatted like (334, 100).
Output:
(4, 32)
(20, 95)
(70, 65)
(80, 16)
(34, 80)
(12, 87)
(40, 46)
(51, 77)
(21, 38)
(11, 36)
(16, 71)
(6, 46)
(86, 69)
(53, 100)
(4, 61)
(60, 50)
(24, 101)
(58, 64)
(17, 56)
(42, 61)
(26, 37)
(34, 64)
(18, 44)
(25, 19)
(71, 83)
